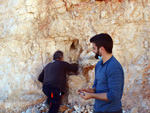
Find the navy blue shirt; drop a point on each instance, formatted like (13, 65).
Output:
(109, 78)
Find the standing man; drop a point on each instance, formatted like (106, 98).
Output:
(53, 78)
(109, 78)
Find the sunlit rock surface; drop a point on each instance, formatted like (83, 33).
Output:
(32, 30)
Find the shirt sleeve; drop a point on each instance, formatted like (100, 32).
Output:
(41, 76)
(71, 67)
(115, 84)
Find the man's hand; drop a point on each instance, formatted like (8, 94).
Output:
(85, 95)
(90, 93)
(89, 90)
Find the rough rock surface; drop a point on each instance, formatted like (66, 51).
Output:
(32, 30)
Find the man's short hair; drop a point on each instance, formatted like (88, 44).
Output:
(104, 40)
(58, 55)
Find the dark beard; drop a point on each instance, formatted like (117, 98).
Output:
(96, 55)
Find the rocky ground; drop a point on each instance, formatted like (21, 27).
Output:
(64, 108)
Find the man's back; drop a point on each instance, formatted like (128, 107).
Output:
(53, 78)
(55, 73)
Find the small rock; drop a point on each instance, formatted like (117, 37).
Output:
(42, 109)
(29, 110)
(86, 111)
(134, 110)
(63, 108)
(82, 109)
(35, 110)
(76, 107)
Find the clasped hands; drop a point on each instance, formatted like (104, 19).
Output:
(86, 93)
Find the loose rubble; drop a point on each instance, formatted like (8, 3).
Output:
(64, 108)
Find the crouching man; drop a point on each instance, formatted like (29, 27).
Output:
(54, 81)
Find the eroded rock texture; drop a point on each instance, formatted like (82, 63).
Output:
(32, 30)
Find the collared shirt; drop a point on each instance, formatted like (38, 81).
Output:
(109, 78)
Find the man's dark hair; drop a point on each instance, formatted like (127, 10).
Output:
(58, 55)
(104, 40)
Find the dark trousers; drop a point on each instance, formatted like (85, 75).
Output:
(54, 98)
(119, 111)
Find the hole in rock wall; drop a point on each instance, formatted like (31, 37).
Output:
(75, 51)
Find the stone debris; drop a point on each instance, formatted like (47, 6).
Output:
(66, 108)
(63, 108)
(40, 108)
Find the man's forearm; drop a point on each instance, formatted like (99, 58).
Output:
(100, 96)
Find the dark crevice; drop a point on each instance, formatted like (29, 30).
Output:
(75, 51)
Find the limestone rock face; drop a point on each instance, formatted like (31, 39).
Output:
(32, 30)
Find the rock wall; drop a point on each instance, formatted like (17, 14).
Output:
(31, 31)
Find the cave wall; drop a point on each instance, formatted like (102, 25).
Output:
(31, 31)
